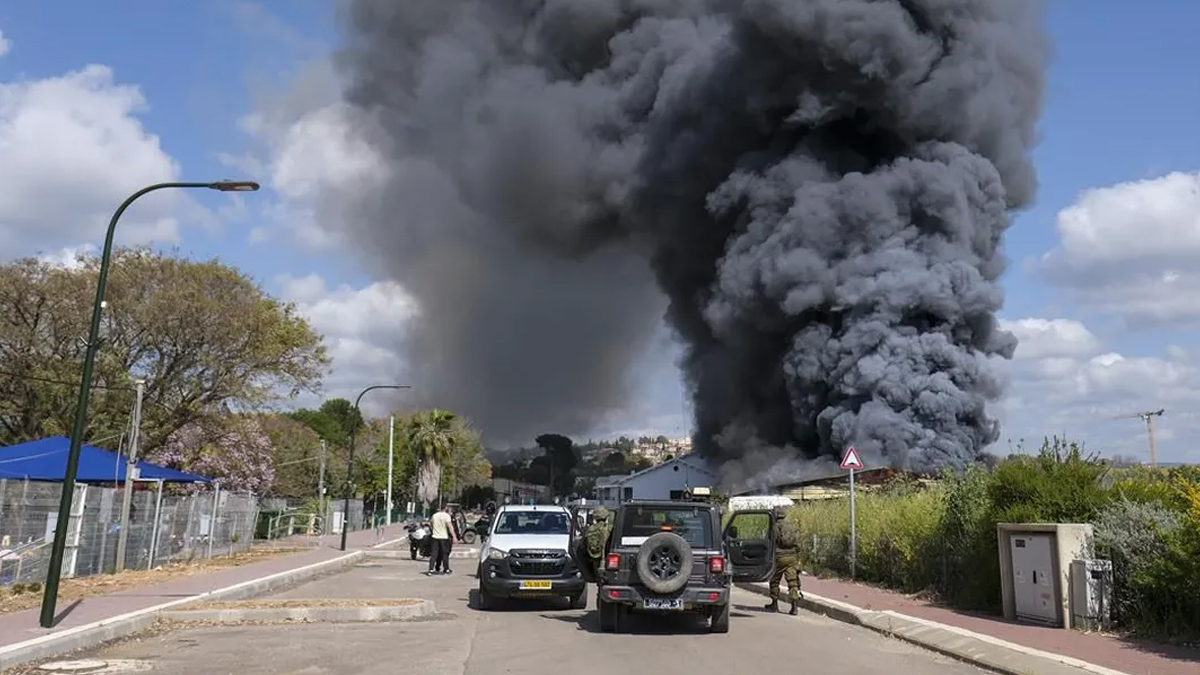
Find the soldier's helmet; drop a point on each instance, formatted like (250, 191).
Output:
(780, 513)
(600, 513)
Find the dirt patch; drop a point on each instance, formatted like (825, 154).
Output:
(315, 603)
(19, 597)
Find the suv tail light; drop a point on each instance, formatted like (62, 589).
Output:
(613, 562)
(716, 565)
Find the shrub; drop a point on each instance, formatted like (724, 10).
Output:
(897, 529)
(1058, 485)
(943, 537)
(1170, 588)
(968, 537)
(1134, 535)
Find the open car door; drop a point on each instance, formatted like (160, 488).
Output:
(578, 548)
(750, 544)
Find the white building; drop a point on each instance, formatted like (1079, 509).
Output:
(664, 481)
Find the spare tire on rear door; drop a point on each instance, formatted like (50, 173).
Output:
(664, 562)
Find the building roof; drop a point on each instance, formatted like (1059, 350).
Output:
(694, 462)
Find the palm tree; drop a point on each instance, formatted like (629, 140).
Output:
(432, 436)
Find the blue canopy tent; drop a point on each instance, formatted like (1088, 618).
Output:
(46, 460)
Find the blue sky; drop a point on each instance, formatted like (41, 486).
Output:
(1120, 106)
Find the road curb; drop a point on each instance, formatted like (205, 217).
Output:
(105, 630)
(981, 650)
(406, 555)
(398, 612)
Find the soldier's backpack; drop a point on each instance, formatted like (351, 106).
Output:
(596, 538)
(787, 535)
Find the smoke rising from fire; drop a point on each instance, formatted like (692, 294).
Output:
(818, 188)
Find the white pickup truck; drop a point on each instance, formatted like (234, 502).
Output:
(526, 556)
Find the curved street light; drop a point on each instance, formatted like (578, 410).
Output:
(58, 548)
(350, 463)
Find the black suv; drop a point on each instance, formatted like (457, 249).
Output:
(674, 556)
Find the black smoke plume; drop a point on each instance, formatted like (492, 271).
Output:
(819, 188)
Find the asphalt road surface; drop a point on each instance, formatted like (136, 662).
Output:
(522, 639)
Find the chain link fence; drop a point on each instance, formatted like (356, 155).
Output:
(166, 525)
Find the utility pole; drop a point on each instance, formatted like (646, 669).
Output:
(391, 461)
(321, 487)
(130, 470)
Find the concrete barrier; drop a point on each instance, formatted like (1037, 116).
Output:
(404, 554)
(403, 610)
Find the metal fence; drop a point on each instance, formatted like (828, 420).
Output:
(166, 525)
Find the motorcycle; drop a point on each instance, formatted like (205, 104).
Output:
(419, 542)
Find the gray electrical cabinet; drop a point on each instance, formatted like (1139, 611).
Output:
(1036, 589)
(1035, 569)
(1091, 593)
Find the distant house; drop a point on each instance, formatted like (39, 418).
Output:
(664, 481)
(519, 493)
(835, 484)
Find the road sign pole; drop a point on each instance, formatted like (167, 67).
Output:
(852, 462)
(853, 530)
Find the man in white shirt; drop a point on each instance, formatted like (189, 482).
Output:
(440, 526)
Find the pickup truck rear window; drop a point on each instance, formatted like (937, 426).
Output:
(693, 524)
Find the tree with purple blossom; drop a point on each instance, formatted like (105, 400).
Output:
(233, 450)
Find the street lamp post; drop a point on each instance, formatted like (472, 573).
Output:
(350, 463)
(58, 548)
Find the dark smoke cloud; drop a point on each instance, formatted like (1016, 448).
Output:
(818, 188)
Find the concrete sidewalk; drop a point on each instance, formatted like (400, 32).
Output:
(908, 618)
(19, 627)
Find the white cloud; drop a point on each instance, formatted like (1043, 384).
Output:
(1133, 249)
(362, 329)
(313, 150)
(1047, 338)
(73, 149)
(5, 44)
(1063, 381)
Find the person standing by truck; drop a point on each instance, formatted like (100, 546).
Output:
(787, 562)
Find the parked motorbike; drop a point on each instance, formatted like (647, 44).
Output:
(419, 542)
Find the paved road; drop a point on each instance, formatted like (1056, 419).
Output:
(539, 639)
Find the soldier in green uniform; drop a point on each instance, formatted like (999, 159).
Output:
(787, 561)
(596, 539)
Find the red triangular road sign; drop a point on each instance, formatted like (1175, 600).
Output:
(851, 459)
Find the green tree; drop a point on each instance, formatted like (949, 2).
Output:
(468, 465)
(613, 462)
(203, 336)
(296, 456)
(431, 436)
(560, 461)
(332, 421)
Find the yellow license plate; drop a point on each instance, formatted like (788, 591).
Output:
(536, 585)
